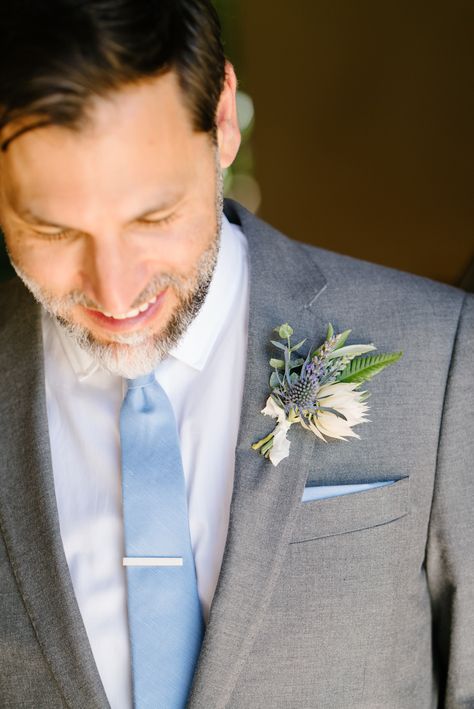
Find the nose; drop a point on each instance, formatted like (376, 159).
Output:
(112, 275)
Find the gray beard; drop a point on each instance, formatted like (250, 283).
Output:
(133, 355)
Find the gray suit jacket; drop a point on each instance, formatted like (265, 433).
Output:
(359, 601)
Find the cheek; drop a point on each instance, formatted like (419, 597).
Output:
(201, 235)
(179, 250)
(48, 265)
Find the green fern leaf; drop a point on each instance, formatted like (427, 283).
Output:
(361, 369)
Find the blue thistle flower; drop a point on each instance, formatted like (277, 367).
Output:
(300, 395)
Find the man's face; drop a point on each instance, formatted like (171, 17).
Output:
(115, 228)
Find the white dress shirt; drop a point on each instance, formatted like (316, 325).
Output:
(203, 378)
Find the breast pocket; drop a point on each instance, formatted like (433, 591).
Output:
(351, 512)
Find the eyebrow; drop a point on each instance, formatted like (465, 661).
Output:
(31, 217)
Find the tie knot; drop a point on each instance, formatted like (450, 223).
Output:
(143, 381)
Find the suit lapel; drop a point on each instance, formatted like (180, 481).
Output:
(28, 511)
(283, 285)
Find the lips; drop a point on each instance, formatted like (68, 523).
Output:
(132, 319)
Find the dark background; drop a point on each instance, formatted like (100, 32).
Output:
(363, 139)
(363, 135)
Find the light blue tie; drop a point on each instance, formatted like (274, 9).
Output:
(165, 617)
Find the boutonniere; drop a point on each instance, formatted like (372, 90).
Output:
(319, 391)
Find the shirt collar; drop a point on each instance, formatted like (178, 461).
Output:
(199, 340)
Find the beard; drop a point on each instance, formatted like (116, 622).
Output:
(138, 353)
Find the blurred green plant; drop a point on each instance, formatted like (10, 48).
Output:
(239, 180)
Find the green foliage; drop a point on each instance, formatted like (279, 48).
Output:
(297, 347)
(277, 363)
(297, 362)
(275, 380)
(351, 351)
(362, 369)
(284, 374)
(284, 331)
(341, 338)
(344, 362)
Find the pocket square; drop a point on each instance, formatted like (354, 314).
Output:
(321, 492)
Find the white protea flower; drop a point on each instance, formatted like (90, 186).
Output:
(281, 444)
(345, 398)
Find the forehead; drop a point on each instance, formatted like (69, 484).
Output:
(141, 136)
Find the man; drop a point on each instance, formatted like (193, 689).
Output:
(117, 121)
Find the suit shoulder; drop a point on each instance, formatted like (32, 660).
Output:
(422, 303)
(363, 275)
(360, 290)
(342, 266)
(340, 269)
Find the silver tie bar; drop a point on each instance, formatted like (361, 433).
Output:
(152, 561)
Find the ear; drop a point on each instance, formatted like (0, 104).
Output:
(228, 132)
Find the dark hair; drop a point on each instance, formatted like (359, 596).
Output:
(55, 55)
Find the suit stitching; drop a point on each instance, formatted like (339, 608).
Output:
(350, 531)
(313, 300)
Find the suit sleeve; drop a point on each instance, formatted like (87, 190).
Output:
(450, 550)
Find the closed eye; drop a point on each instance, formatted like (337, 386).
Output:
(162, 221)
(55, 235)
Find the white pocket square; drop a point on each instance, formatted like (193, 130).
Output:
(321, 492)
